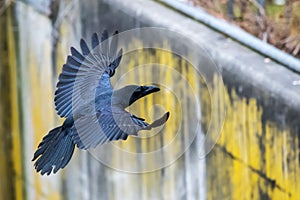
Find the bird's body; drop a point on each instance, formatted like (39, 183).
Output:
(95, 113)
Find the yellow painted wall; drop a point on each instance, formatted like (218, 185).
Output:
(251, 160)
(11, 173)
(26, 103)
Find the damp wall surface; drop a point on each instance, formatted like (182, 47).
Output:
(256, 156)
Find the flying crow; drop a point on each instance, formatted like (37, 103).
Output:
(95, 113)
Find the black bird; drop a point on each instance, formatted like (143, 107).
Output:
(95, 113)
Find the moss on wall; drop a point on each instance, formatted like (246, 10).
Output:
(11, 148)
(253, 159)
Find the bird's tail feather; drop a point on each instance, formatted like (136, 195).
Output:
(54, 152)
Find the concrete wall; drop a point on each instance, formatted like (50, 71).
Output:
(256, 156)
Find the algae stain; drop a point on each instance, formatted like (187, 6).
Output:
(256, 153)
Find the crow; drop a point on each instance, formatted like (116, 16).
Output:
(95, 113)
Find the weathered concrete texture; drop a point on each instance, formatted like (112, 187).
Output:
(256, 157)
(9, 188)
(26, 101)
(241, 66)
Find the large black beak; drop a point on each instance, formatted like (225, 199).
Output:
(142, 91)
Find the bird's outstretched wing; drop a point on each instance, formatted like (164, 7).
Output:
(86, 71)
(92, 130)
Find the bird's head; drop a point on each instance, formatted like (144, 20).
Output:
(131, 93)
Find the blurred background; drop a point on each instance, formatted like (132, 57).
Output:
(234, 125)
(276, 22)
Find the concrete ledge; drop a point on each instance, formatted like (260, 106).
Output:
(270, 83)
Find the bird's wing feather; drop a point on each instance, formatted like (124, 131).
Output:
(81, 74)
(92, 130)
